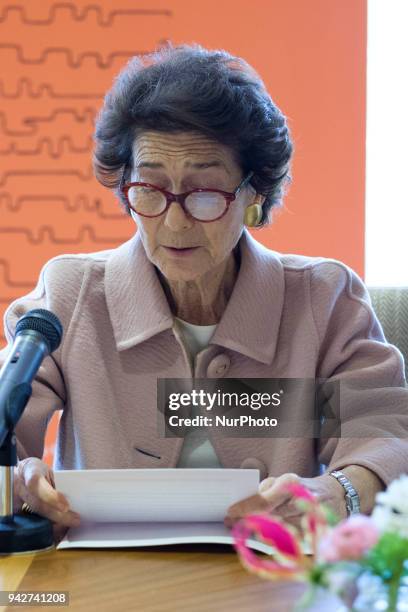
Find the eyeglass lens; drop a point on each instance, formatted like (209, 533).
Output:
(202, 205)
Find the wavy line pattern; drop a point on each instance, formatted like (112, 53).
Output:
(78, 15)
(69, 56)
(83, 176)
(86, 116)
(42, 89)
(48, 232)
(62, 145)
(50, 202)
(5, 274)
(77, 204)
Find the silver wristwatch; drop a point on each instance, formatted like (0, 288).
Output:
(352, 497)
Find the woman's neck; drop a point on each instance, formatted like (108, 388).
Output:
(202, 301)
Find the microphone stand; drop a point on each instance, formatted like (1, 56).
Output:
(22, 532)
(38, 333)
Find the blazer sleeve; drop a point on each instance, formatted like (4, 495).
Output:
(54, 291)
(366, 371)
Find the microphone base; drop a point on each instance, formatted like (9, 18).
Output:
(25, 533)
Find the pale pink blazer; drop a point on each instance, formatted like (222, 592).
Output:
(289, 316)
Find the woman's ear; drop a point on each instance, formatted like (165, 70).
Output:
(255, 198)
(259, 199)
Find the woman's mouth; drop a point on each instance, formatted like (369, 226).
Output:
(180, 251)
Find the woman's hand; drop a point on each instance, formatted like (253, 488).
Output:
(34, 484)
(273, 498)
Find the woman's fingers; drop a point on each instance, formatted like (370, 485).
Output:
(67, 517)
(59, 532)
(39, 487)
(266, 484)
(272, 497)
(50, 478)
(46, 492)
(36, 488)
(249, 505)
(276, 493)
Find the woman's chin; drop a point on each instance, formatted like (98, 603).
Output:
(181, 269)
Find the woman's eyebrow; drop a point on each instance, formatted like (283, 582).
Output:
(195, 165)
(208, 164)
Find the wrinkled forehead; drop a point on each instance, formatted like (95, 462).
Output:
(189, 151)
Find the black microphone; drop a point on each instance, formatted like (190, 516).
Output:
(38, 333)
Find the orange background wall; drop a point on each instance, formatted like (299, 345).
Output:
(59, 58)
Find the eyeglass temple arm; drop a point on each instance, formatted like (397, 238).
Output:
(122, 178)
(245, 181)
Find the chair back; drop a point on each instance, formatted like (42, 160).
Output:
(391, 307)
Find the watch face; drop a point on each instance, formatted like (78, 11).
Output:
(352, 504)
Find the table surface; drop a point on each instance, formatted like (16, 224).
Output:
(199, 577)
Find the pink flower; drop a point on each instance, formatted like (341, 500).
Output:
(314, 522)
(301, 492)
(290, 561)
(349, 540)
(275, 533)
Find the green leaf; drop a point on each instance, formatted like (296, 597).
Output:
(388, 557)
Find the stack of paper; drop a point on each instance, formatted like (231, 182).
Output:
(152, 507)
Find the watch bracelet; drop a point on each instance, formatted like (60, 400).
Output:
(352, 498)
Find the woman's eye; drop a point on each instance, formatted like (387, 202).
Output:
(145, 188)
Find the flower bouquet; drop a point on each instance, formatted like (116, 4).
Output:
(363, 560)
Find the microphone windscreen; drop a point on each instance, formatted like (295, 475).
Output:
(44, 322)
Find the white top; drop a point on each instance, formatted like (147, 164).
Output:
(197, 450)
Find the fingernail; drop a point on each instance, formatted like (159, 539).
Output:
(62, 507)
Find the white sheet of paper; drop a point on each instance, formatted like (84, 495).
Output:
(121, 535)
(154, 507)
(149, 495)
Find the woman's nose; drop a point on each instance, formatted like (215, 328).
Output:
(176, 219)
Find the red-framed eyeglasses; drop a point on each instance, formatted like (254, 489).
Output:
(205, 205)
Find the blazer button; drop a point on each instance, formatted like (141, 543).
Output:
(252, 463)
(218, 366)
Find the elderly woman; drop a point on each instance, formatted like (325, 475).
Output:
(197, 152)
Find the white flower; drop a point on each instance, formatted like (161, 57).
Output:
(391, 510)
